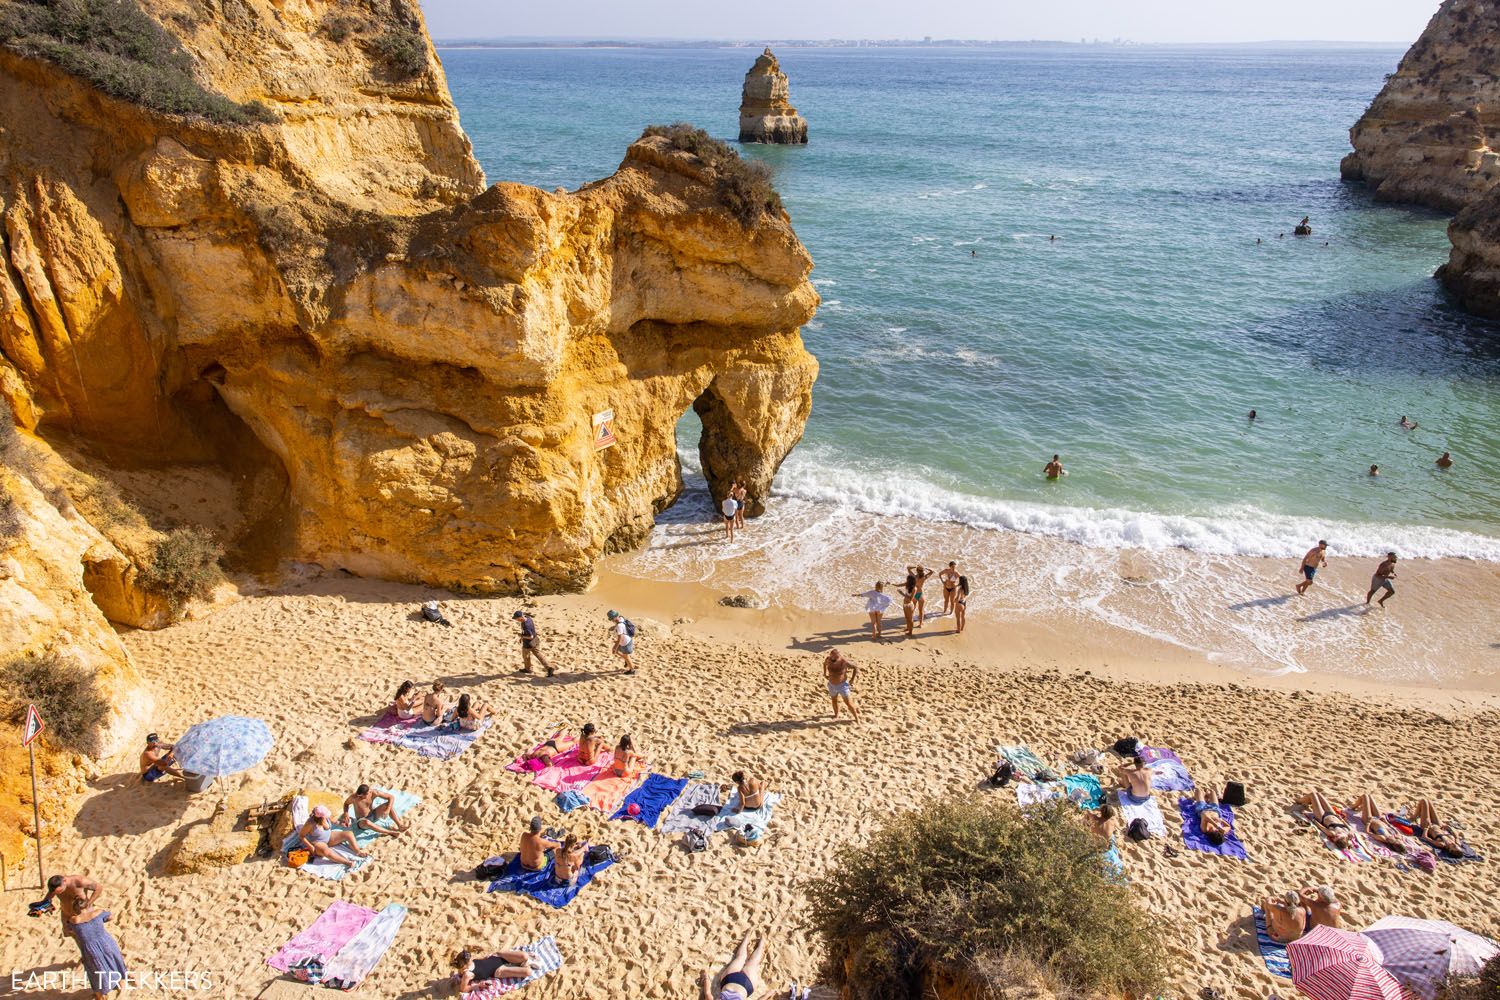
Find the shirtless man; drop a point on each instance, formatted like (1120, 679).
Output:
(839, 671)
(534, 846)
(1408, 425)
(360, 810)
(1134, 778)
(589, 744)
(741, 494)
(156, 760)
(1384, 574)
(752, 791)
(74, 894)
(1286, 920)
(568, 861)
(435, 704)
(1445, 461)
(949, 578)
(1323, 908)
(1316, 559)
(1054, 469)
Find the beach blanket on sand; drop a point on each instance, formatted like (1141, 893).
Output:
(758, 820)
(404, 803)
(440, 742)
(568, 772)
(1278, 962)
(545, 958)
(1022, 759)
(334, 928)
(522, 766)
(1132, 809)
(653, 797)
(607, 792)
(1167, 771)
(358, 958)
(1083, 790)
(391, 728)
(319, 867)
(540, 885)
(680, 818)
(1192, 832)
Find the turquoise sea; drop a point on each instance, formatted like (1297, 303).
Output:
(1136, 342)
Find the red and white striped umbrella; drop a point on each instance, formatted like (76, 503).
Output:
(1328, 964)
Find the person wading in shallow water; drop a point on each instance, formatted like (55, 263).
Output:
(1316, 558)
(1384, 574)
(730, 508)
(1054, 469)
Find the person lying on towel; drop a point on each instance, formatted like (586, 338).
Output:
(1210, 818)
(472, 974)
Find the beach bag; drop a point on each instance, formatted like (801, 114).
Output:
(748, 837)
(705, 809)
(598, 855)
(433, 613)
(309, 970)
(629, 628)
(1234, 794)
(297, 858)
(1003, 773)
(490, 869)
(695, 841)
(1138, 830)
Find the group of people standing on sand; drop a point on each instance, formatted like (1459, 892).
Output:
(733, 508)
(913, 592)
(621, 642)
(76, 899)
(1317, 558)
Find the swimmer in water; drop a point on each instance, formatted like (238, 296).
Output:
(1445, 461)
(1407, 425)
(1052, 238)
(1374, 470)
(1252, 415)
(973, 253)
(1054, 469)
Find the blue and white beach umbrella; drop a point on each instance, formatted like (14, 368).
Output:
(225, 745)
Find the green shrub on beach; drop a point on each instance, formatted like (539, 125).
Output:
(184, 566)
(744, 186)
(64, 693)
(116, 47)
(979, 897)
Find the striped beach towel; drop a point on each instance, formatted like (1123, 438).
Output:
(1278, 962)
(545, 958)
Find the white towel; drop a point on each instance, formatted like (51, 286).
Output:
(1147, 810)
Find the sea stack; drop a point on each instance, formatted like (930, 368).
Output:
(766, 112)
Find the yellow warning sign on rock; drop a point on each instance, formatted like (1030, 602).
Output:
(604, 429)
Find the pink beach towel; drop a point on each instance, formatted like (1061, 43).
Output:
(521, 765)
(390, 728)
(334, 928)
(568, 772)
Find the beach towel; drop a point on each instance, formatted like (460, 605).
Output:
(653, 797)
(545, 958)
(1132, 809)
(540, 885)
(1354, 853)
(1278, 962)
(1192, 832)
(391, 728)
(1470, 855)
(570, 800)
(756, 820)
(568, 772)
(607, 792)
(358, 958)
(441, 742)
(680, 818)
(334, 928)
(320, 867)
(1167, 771)
(1374, 847)
(1083, 790)
(1023, 760)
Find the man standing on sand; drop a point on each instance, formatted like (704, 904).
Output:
(949, 578)
(1054, 469)
(624, 639)
(1384, 574)
(840, 672)
(1316, 558)
(531, 644)
(730, 508)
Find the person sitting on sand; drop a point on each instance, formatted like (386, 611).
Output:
(1104, 822)
(405, 702)
(737, 979)
(1054, 469)
(626, 763)
(435, 705)
(470, 715)
(839, 671)
(1211, 819)
(534, 846)
(319, 839)
(1286, 917)
(373, 809)
(473, 974)
(1323, 908)
(157, 760)
(1444, 461)
(567, 861)
(1321, 814)
(1134, 778)
(876, 601)
(589, 744)
(1426, 825)
(752, 791)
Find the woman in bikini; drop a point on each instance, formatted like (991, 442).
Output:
(961, 604)
(435, 705)
(917, 577)
(909, 595)
(471, 715)
(475, 973)
(589, 744)
(405, 702)
(626, 761)
(1321, 814)
(1435, 832)
(1375, 825)
(739, 979)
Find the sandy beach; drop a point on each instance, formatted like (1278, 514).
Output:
(722, 689)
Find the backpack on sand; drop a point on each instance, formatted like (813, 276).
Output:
(695, 841)
(433, 613)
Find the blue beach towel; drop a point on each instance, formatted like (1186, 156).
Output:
(1192, 832)
(539, 885)
(404, 803)
(654, 795)
(570, 800)
(1278, 962)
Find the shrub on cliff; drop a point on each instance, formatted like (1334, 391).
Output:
(1485, 986)
(981, 897)
(116, 47)
(743, 186)
(184, 566)
(403, 52)
(64, 693)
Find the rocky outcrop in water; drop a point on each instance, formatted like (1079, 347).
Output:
(766, 112)
(1425, 137)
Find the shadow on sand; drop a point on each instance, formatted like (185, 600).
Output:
(127, 806)
(1262, 602)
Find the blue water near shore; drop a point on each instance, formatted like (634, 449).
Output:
(961, 345)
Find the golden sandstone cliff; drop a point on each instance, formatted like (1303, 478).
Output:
(1425, 139)
(766, 112)
(395, 369)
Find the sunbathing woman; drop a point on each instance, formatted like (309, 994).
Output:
(737, 979)
(1425, 824)
(567, 861)
(589, 744)
(473, 973)
(471, 714)
(317, 837)
(435, 705)
(405, 703)
(1210, 818)
(1321, 814)
(1375, 825)
(626, 762)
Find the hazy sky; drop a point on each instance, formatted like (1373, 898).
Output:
(1068, 20)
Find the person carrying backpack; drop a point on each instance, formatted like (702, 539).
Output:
(623, 631)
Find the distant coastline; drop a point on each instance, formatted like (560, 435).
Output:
(883, 43)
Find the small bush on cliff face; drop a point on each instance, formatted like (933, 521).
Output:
(184, 566)
(954, 891)
(403, 52)
(64, 693)
(1486, 986)
(340, 26)
(744, 186)
(116, 47)
(10, 515)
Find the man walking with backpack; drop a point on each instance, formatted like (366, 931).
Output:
(531, 644)
(623, 631)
